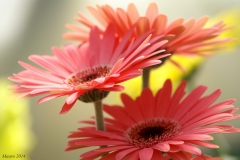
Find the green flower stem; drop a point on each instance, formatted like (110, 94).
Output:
(99, 116)
(145, 78)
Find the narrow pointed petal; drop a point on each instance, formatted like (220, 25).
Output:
(66, 107)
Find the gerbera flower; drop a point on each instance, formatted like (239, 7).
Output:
(185, 37)
(152, 127)
(87, 72)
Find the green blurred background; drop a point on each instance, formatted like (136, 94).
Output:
(34, 26)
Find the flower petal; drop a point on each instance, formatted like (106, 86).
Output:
(66, 107)
(164, 147)
(146, 153)
(122, 154)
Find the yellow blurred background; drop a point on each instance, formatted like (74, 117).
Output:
(34, 26)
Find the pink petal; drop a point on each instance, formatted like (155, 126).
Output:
(122, 45)
(189, 101)
(47, 98)
(94, 42)
(200, 23)
(114, 88)
(208, 120)
(136, 47)
(123, 19)
(146, 153)
(126, 75)
(97, 82)
(91, 154)
(37, 81)
(66, 107)
(132, 13)
(142, 26)
(174, 148)
(76, 36)
(157, 155)
(107, 85)
(101, 133)
(150, 111)
(176, 98)
(73, 97)
(110, 156)
(96, 142)
(159, 24)
(163, 98)
(97, 15)
(51, 66)
(193, 137)
(134, 155)
(113, 148)
(154, 47)
(132, 107)
(191, 149)
(177, 155)
(122, 154)
(107, 45)
(116, 67)
(72, 148)
(40, 72)
(174, 142)
(84, 20)
(174, 24)
(119, 114)
(209, 130)
(67, 58)
(152, 12)
(145, 64)
(204, 103)
(204, 144)
(164, 147)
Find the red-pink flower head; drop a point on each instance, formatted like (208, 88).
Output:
(90, 71)
(186, 38)
(153, 127)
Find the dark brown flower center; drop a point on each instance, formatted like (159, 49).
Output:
(150, 132)
(87, 75)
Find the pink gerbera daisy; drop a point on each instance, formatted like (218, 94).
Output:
(185, 37)
(90, 71)
(154, 127)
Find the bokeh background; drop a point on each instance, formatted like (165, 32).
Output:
(34, 26)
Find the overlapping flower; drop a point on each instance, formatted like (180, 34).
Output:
(150, 126)
(90, 71)
(187, 38)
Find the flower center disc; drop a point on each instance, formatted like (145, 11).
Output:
(150, 132)
(83, 79)
(87, 75)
